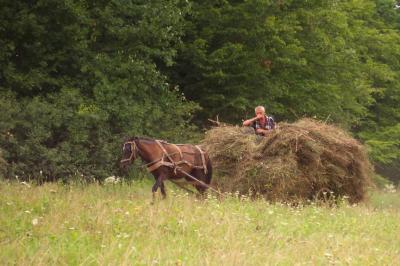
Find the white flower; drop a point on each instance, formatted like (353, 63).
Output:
(26, 184)
(112, 180)
(390, 188)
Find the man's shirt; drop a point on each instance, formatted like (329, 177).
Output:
(268, 124)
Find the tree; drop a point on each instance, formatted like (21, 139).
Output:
(238, 54)
(76, 78)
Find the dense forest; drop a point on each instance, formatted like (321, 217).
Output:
(77, 77)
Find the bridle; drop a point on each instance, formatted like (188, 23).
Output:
(134, 151)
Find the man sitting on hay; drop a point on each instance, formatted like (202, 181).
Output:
(261, 123)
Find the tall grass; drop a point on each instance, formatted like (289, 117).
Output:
(117, 225)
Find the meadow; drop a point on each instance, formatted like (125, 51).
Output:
(116, 224)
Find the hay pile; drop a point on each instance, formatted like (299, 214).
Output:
(294, 162)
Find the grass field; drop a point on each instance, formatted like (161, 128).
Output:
(116, 225)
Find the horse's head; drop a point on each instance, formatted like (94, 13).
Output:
(130, 152)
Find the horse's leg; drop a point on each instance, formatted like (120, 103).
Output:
(159, 183)
(201, 189)
(164, 194)
(199, 174)
(155, 187)
(154, 190)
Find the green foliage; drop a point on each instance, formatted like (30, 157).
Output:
(384, 144)
(380, 49)
(52, 137)
(331, 60)
(298, 59)
(3, 165)
(78, 78)
(42, 46)
(380, 182)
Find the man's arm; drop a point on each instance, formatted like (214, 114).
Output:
(250, 121)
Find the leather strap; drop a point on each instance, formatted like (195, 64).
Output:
(179, 150)
(174, 164)
(203, 159)
(158, 165)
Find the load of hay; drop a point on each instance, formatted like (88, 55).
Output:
(305, 160)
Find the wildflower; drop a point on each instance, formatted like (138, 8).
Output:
(26, 184)
(112, 180)
(390, 188)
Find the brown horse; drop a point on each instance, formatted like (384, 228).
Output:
(165, 161)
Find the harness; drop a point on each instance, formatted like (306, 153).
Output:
(171, 163)
(175, 164)
(152, 166)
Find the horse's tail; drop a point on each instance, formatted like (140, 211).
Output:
(209, 171)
